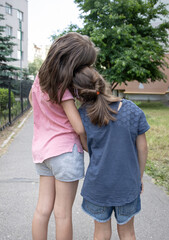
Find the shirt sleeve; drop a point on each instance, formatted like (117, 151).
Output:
(143, 125)
(36, 82)
(67, 95)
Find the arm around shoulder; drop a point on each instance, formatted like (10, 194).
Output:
(75, 120)
(73, 116)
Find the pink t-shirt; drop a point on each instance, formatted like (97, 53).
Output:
(53, 133)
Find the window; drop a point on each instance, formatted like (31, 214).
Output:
(20, 55)
(20, 35)
(8, 30)
(141, 86)
(8, 9)
(20, 15)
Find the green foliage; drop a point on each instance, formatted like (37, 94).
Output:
(6, 49)
(25, 74)
(150, 105)
(159, 172)
(15, 112)
(34, 66)
(26, 87)
(4, 98)
(70, 28)
(131, 48)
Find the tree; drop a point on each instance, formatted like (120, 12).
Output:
(34, 66)
(69, 28)
(6, 49)
(131, 47)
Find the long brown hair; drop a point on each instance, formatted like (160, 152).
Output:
(94, 92)
(65, 56)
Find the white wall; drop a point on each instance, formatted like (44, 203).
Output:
(12, 20)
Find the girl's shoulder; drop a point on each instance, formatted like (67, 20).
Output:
(82, 110)
(36, 82)
(83, 114)
(128, 105)
(129, 113)
(67, 95)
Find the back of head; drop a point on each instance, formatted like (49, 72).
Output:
(65, 56)
(93, 91)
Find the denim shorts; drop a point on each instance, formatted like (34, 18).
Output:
(123, 214)
(67, 167)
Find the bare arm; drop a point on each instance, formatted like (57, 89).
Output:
(83, 139)
(142, 150)
(75, 120)
(30, 97)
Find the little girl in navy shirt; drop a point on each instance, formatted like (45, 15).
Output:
(117, 147)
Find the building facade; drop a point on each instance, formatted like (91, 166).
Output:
(151, 91)
(16, 23)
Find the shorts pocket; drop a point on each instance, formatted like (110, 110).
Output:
(92, 208)
(128, 209)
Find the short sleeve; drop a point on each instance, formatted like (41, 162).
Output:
(143, 125)
(36, 82)
(67, 95)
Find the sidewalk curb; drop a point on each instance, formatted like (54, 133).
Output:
(15, 131)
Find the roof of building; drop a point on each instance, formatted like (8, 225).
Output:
(157, 87)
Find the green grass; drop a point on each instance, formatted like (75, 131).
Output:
(157, 166)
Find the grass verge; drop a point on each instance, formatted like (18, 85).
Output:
(157, 166)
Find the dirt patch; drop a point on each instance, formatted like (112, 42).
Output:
(6, 133)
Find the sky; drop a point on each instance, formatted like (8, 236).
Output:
(46, 17)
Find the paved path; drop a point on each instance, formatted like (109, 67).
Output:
(19, 191)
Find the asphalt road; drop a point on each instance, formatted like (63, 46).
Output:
(19, 192)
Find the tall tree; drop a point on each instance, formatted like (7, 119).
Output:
(6, 49)
(35, 66)
(131, 46)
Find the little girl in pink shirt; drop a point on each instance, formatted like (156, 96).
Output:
(56, 147)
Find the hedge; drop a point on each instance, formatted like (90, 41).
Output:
(4, 98)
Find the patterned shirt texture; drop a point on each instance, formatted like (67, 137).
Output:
(113, 175)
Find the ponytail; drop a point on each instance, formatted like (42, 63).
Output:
(95, 94)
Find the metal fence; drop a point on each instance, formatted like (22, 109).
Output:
(13, 99)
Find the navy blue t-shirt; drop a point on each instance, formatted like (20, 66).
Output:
(113, 174)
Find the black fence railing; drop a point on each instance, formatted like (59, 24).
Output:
(14, 99)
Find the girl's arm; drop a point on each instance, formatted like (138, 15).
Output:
(83, 139)
(75, 120)
(142, 150)
(30, 97)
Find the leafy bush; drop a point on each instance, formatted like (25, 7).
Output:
(4, 98)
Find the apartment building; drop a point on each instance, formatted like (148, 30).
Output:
(16, 22)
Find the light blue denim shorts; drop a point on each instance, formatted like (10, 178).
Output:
(67, 167)
(123, 214)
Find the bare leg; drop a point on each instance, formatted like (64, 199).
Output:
(65, 195)
(44, 208)
(126, 231)
(103, 231)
